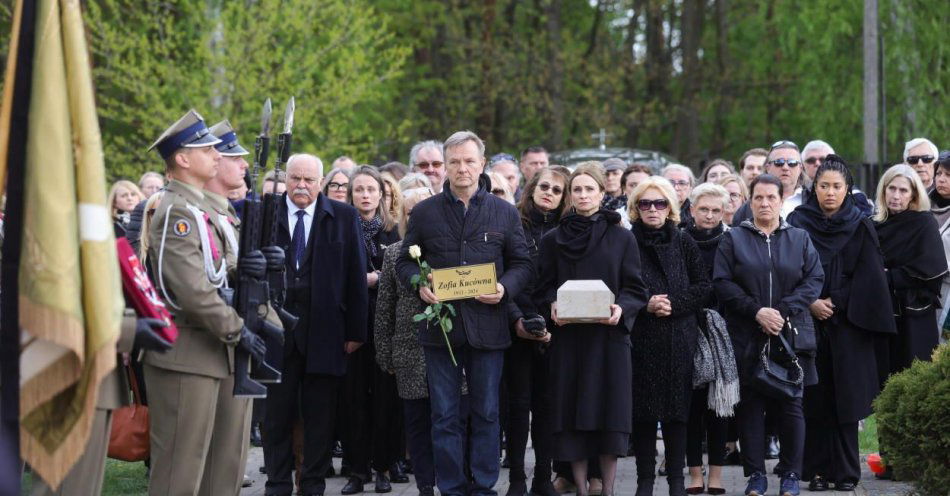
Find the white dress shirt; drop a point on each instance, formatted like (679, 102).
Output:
(292, 218)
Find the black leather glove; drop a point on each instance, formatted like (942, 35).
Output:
(253, 344)
(147, 339)
(253, 264)
(275, 258)
(534, 324)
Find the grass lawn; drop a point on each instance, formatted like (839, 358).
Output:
(867, 438)
(121, 479)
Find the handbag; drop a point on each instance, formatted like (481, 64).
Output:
(781, 380)
(129, 439)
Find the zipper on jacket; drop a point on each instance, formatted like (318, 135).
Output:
(768, 246)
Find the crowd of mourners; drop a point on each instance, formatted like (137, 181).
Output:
(780, 260)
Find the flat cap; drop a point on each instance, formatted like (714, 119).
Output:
(614, 163)
(188, 132)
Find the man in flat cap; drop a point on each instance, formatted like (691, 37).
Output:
(194, 421)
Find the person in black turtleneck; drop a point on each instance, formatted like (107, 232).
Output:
(591, 382)
(708, 203)
(665, 335)
(526, 361)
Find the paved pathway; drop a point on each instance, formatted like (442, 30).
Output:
(626, 481)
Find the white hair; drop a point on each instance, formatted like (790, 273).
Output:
(816, 145)
(709, 189)
(414, 180)
(459, 138)
(914, 143)
(680, 168)
(297, 156)
(418, 147)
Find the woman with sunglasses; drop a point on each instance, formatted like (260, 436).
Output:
(664, 336)
(920, 154)
(526, 361)
(766, 274)
(590, 362)
(852, 311)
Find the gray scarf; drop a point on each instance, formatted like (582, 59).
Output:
(715, 364)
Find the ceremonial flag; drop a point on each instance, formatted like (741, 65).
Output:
(69, 295)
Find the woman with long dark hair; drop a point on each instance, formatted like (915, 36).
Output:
(852, 311)
(527, 361)
(591, 384)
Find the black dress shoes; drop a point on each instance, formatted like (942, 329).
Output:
(818, 483)
(845, 486)
(353, 486)
(382, 483)
(426, 491)
(397, 475)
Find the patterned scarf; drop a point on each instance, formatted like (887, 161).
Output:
(370, 229)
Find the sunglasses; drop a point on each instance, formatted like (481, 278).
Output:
(913, 159)
(645, 205)
(425, 165)
(783, 144)
(814, 160)
(782, 163)
(557, 190)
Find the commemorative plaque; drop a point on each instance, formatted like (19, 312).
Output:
(467, 281)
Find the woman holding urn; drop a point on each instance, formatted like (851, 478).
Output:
(665, 334)
(591, 384)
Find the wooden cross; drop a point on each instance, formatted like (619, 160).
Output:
(602, 136)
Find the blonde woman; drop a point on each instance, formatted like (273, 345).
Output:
(738, 194)
(915, 264)
(500, 187)
(123, 197)
(392, 196)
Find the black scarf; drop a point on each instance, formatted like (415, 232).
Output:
(613, 202)
(705, 237)
(651, 236)
(578, 235)
(937, 200)
(370, 229)
(910, 239)
(828, 234)
(544, 221)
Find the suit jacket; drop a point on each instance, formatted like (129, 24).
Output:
(328, 291)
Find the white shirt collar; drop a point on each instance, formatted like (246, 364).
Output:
(292, 208)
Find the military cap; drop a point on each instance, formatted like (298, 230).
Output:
(188, 132)
(229, 146)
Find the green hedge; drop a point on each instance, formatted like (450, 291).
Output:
(913, 416)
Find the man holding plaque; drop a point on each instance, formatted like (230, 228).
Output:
(480, 239)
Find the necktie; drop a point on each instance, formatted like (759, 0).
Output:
(215, 254)
(299, 240)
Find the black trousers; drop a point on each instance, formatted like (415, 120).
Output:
(791, 431)
(703, 424)
(358, 408)
(389, 434)
(674, 443)
(312, 397)
(529, 402)
(418, 414)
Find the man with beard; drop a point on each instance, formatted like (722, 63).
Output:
(325, 266)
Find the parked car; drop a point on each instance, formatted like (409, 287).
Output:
(570, 158)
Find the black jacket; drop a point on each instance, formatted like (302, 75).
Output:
(328, 292)
(535, 227)
(781, 271)
(488, 231)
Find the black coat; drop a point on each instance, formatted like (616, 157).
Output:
(663, 347)
(329, 291)
(590, 376)
(450, 235)
(535, 227)
(856, 283)
(752, 271)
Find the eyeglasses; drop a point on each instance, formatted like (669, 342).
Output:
(425, 165)
(781, 162)
(557, 190)
(337, 186)
(498, 192)
(735, 196)
(783, 144)
(679, 184)
(913, 159)
(645, 205)
(814, 160)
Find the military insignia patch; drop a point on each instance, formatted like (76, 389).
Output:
(182, 228)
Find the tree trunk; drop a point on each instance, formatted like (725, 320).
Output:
(686, 142)
(871, 83)
(555, 74)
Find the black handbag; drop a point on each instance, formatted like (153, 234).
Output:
(779, 379)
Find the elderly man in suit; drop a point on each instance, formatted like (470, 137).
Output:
(326, 289)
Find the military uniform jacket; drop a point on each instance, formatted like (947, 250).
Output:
(188, 271)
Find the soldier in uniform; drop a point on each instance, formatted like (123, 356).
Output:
(194, 420)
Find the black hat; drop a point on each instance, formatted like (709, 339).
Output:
(188, 132)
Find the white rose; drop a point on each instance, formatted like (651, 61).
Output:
(415, 251)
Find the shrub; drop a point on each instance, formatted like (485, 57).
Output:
(913, 416)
